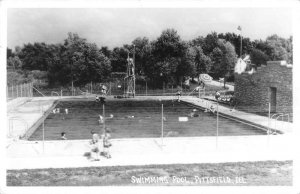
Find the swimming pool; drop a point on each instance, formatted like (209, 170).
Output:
(132, 118)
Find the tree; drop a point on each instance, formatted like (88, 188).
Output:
(216, 55)
(258, 57)
(201, 62)
(14, 63)
(276, 48)
(280, 48)
(210, 43)
(105, 50)
(142, 54)
(36, 56)
(235, 40)
(87, 62)
(14, 78)
(119, 59)
(9, 53)
(168, 44)
(79, 62)
(199, 41)
(186, 67)
(224, 58)
(168, 55)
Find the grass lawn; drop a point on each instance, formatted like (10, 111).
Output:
(264, 173)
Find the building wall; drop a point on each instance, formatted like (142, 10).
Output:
(252, 90)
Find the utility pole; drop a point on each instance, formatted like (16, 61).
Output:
(240, 29)
(133, 71)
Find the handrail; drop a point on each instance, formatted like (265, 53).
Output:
(52, 92)
(38, 91)
(198, 88)
(192, 91)
(281, 115)
(288, 116)
(275, 115)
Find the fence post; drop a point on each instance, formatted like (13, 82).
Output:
(181, 87)
(146, 89)
(110, 88)
(61, 93)
(26, 90)
(12, 86)
(91, 87)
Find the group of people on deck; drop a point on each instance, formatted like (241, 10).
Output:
(97, 146)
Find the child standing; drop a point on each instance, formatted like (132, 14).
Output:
(106, 143)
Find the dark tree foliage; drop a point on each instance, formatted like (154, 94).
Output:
(167, 59)
(9, 53)
(258, 57)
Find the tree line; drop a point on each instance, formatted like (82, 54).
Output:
(167, 59)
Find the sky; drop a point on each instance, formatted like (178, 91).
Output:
(117, 26)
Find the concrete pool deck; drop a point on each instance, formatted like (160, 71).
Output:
(145, 151)
(282, 126)
(142, 151)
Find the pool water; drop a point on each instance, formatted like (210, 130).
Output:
(136, 119)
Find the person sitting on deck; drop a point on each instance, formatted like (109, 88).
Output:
(178, 94)
(101, 119)
(106, 143)
(217, 95)
(95, 150)
(97, 99)
(212, 109)
(63, 136)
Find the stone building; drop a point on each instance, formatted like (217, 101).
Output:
(271, 83)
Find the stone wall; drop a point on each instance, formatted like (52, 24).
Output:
(252, 90)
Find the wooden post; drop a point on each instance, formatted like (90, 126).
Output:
(12, 86)
(146, 89)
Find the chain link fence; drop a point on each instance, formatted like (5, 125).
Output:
(20, 90)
